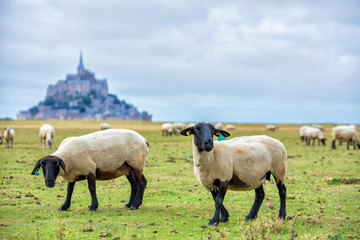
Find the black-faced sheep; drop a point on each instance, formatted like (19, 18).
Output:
(46, 134)
(102, 155)
(9, 136)
(241, 164)
(345, 134)
(314, 133)
(271, 128)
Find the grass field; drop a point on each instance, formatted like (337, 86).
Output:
(175, 205)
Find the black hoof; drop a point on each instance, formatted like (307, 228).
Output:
(213, 223)
(134, 207)
(63, 208)
(91, 208)
(250, 218)
(224, 220)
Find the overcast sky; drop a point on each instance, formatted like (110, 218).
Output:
(217, 61)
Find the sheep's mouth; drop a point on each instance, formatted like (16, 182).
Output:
(50, 184)
(209, 147)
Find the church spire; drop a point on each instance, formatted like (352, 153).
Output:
(81, 65)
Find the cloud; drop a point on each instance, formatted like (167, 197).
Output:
(234, 61)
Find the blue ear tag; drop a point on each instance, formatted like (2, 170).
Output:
(221, 137)
(36, 173)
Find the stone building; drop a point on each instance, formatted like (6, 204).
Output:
(82, 96)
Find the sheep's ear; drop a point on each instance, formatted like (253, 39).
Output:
(62, 164)
(188, 131)
(37, 166)
(224, 133)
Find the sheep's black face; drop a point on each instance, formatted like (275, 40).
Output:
(51, 167)
(203, 135)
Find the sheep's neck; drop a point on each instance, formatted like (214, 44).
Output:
(202, 158)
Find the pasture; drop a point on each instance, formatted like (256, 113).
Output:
(323, 192)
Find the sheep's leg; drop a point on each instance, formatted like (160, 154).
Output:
(12, 143)
(259, 197)
(223, 212)
(333, 144)
(92, 188)
(219, 199)
(70, 189)
(141, 182)
(348, 143)
(282, 193)
(133, 190)
(313, 141)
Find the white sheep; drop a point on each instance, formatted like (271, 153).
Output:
(179, 126)
(321, 127)
(46, 134)
(230, 127)
(241, 164)
(314, 133)
(219, 126)
(345, 134)
(104, 126)
(302, 132)
(9, 136)
(102, 155)
(271, 128)
(168, 129)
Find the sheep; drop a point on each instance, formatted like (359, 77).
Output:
(314, 133)
(104, 126)
(318, 126)
(101, 155)
(230, 127)
(219, 126)
(302, 133)
(46, 134)
(179, 127)
(167, 129)
(9, 136)
(241, 164)
(345, 134)
(271, 128)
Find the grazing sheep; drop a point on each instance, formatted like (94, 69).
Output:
(9, 136)
(230, 127)
(102, 155)
(318, 126)
(271, 128)
(345, 134)
(302, 133)
(1, 138)
(105, 126)
(219, 126)
(314, 133)
(46, 134)
(179, 127)
(242, 164)
(167, 129)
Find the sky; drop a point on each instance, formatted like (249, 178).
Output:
(189, 60)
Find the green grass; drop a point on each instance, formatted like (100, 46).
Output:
(175, 205)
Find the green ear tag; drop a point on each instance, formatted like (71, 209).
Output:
(221, 137)
(36, 173)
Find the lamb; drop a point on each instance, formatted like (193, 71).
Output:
(314, 133)
(105, 126)
(168, 129)
(271, 128)
(9, 136)
(302, 133)
(241, 164)
(101, 155)
(46, 134)
(345, 134)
